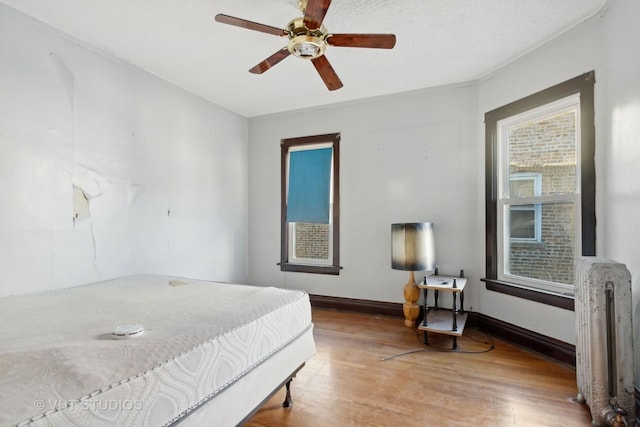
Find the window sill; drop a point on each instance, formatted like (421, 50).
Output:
(317, 269)
(561, 301)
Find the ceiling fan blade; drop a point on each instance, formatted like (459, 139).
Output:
(270, 61)
(249, 25)
(377, 41)
(327, 73)
(314, 13)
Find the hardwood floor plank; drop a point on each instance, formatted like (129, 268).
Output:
(354, 380)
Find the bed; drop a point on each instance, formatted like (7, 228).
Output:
(210, 354)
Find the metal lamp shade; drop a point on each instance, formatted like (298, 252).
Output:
(413, 247)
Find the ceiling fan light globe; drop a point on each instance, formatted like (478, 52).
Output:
(307, 47)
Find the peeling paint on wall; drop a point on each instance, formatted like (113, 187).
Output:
(80, 205)
(91, 182)
(92, 151)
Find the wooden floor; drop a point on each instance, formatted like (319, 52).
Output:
(353, 380)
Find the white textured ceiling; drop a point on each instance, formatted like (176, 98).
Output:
(439, 42)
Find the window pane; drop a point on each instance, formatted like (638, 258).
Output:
(523, 222)
(552, 259)
(546, 146)
(311, 241)
(522, 188)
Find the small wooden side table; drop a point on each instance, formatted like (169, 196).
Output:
(441, 321)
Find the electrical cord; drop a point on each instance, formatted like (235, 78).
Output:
(488, 341)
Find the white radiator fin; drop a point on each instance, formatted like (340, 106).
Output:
(604, 338)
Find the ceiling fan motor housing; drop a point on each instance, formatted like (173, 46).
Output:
(306, 43)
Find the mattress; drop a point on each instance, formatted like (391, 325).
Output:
(59, 365)
(234, 405)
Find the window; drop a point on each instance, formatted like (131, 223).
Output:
(540, 191)
(310, 221)
(525, 220)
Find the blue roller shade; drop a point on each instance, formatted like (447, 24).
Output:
(309, 186)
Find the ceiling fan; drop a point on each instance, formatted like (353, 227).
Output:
(308, 39)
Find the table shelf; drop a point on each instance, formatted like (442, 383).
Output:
(442, 321)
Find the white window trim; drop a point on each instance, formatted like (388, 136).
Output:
(504, 201)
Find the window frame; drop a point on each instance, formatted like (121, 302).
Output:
(584, 86)
(286, 145)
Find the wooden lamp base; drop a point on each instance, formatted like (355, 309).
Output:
(410, 308)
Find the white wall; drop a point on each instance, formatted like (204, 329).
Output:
(620, 152)
(606, 44)
(164, 171)
(404, 158)
(420, 156)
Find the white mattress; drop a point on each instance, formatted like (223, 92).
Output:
(232, 405)
(60, 367)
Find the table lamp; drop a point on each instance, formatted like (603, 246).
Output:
(412, 249)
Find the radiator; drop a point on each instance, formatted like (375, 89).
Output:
(604, 340)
